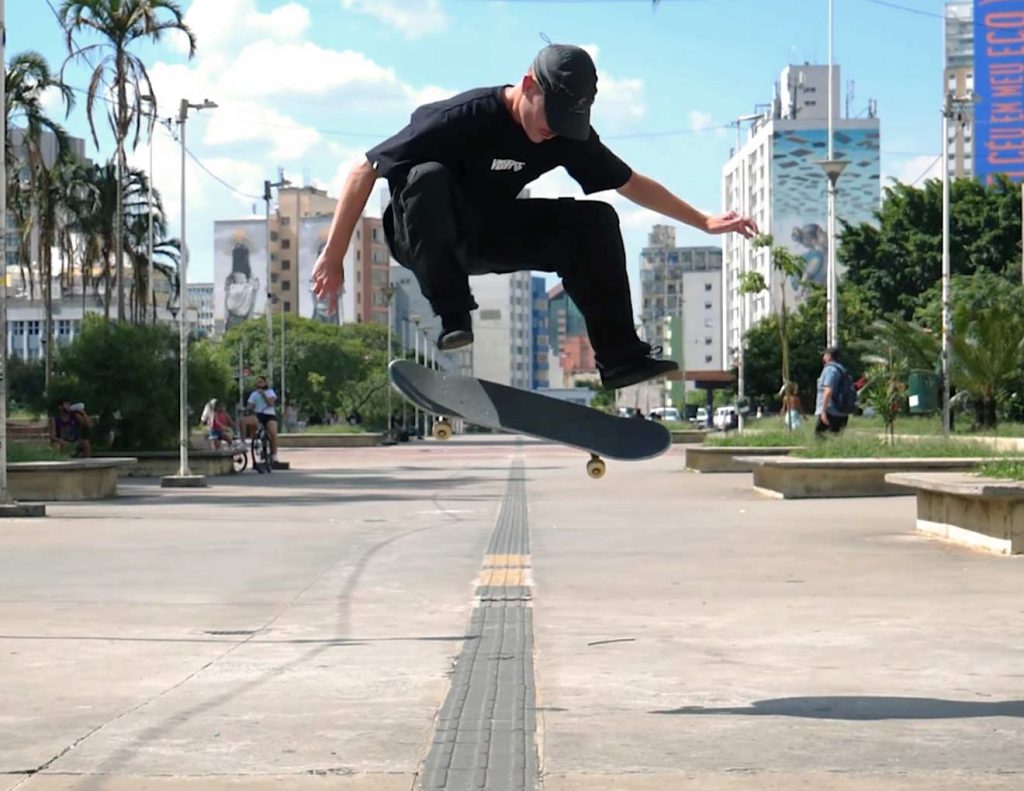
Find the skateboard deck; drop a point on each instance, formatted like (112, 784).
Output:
(514, 411)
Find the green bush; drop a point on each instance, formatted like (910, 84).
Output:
(127, 375)
(865, 447)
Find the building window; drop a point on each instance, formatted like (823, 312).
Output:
(286, 264)
(286, 285)
(273, 277)
(273, 236)
(376, 235)
(286, 221)
(287, 306)
(708, 306)
(708, 358)
(707, 340)
(286, 244)
(707, 287)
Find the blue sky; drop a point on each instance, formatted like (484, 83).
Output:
(308, 85)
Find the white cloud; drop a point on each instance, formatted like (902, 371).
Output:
(914, 170)
(620, 101)
(700, 121)
(218, 24)
(412, 18)
(252, 121)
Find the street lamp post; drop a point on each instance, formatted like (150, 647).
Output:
(267, 186)
(416, 358)
(150, 100)
(184, 478)
(955, 110)
(389, 434)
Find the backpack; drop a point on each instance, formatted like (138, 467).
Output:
(844, 397)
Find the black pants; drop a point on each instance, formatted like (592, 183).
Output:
(433, 230)
(836, 423)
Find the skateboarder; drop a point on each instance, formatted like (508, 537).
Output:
(454, 174)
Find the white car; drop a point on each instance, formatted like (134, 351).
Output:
(665, 413)
(726, 418)
(702, 417)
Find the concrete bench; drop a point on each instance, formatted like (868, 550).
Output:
(74, 479)
(158, 463)
(978, 512)
(791, 477)
(311, 439)
(715, 458)
(682, 436)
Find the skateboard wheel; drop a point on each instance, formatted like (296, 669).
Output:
(442, 430)
(596, 468)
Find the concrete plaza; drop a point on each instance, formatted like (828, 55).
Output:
(480, 614)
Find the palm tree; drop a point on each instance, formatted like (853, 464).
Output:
(25, 80)
(987, 352)
(120, 24)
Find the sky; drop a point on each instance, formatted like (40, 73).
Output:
(306, 87)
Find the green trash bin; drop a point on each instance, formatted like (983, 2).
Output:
(923, 391)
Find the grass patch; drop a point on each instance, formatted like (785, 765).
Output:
(337, 428)
(852, 446)
(1003, 468)
(17, 451)
(767, 438)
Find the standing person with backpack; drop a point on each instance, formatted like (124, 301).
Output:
(836, 399)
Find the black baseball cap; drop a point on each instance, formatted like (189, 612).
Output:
(568, 77)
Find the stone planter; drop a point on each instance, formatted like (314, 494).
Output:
(74, 479)
(984, 513)
(791, 478)
(713, 458)
(158, 463)
(311, 440)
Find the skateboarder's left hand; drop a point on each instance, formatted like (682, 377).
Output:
(732, 223)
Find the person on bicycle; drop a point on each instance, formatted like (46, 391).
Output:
(262, 401)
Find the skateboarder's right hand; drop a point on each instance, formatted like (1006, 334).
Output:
(327, 279)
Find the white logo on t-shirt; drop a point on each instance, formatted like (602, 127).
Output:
(507, 164)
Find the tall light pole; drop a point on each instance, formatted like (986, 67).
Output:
(416, 358)
(150, 100)
(184, 478)
(833, 169)
(955, 110)
(389, 293)
(267, 186)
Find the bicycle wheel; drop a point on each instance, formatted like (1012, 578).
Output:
(261, 453)
(240, 460)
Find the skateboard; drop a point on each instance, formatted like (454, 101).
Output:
(514, 411)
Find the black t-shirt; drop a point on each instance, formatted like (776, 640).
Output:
(476, 138)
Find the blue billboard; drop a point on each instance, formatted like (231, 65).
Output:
(999, 89)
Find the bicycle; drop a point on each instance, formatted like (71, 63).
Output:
(261, 461)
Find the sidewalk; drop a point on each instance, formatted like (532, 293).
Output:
(304, 630)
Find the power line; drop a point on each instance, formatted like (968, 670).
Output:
(906, 8)
(925, 173)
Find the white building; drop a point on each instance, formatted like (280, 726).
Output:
(958, 77)
(681, 301)
(200, 306)
(503, 329)
(774, 177)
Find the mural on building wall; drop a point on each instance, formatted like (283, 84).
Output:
(998, 90)
(239, 271)
(800, 209)
(312, 238)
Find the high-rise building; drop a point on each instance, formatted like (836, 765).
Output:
(412, 314)
(541, 341)
(958, 80)
(775, 178)
(682, 284)
(200, 303)
(503, 329)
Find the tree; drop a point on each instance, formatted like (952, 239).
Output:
(788, 268)
(901, 259)
(806, 334)
(120, 24)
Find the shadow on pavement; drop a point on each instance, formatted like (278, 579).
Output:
(865, 707)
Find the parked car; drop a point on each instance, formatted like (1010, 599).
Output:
(701, 418)
(726, 418)
(665, 413)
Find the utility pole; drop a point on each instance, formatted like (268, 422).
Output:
(955, 110)
(184, 478)
(267, 186)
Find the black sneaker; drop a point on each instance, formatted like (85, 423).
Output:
(639, 369)
(456, 331)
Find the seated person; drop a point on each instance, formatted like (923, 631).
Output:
(66, 428)
(220, 426)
